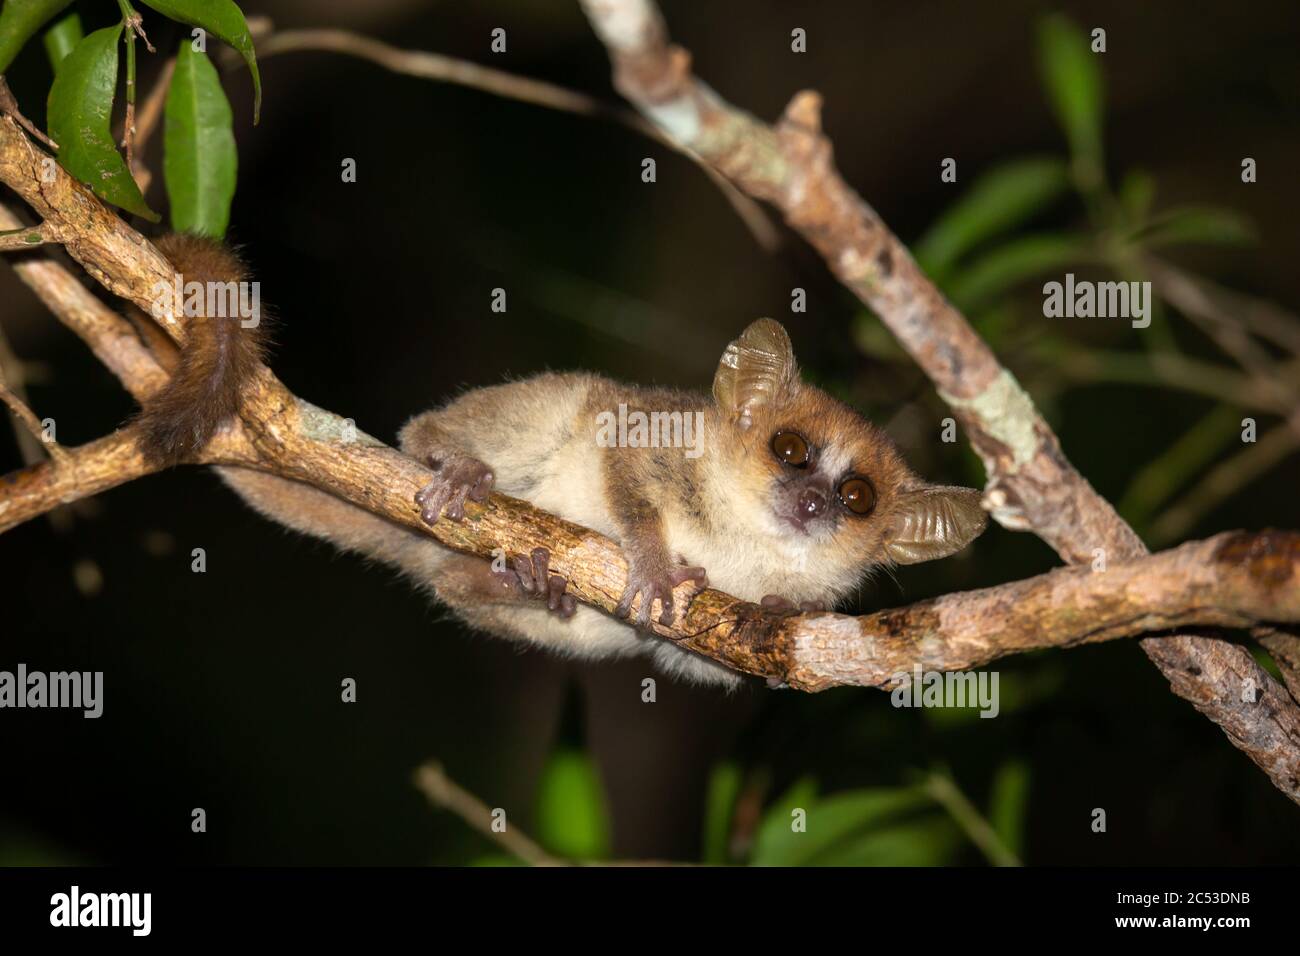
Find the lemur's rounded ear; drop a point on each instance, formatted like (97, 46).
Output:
(934, 522)
(757, 369)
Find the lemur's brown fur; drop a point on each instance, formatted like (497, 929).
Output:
(208, 374)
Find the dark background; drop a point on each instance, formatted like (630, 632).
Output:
(222, 689)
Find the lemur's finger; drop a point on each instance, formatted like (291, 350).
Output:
(541, 567)
(525, 572)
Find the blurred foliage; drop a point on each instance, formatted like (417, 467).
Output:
(723, 791)
(1008, 804)
(1002, 199)
(868, 827)
(572, 821)
(1075, 90)
(61, 37)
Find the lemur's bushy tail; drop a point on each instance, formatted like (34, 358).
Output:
(220, 355)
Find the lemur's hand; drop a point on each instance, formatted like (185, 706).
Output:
(654, 576)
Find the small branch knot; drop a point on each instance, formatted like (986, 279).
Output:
(805, 111)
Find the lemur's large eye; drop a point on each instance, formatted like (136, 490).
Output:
(790, 448)
(858, 495)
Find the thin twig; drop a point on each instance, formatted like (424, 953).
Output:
(32, 448)
(942, 788)
(24, 414)
(109, 335)
(150, 113)
(434, 66)
(442, 791)
(27, 237)
(14, 372)
(1222, 481)
(152, 110)
(1197, 294)
(9, 107)
(1200, 304)
(132, 26)
(1173, 370)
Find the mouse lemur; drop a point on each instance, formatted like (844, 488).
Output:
(788, 497)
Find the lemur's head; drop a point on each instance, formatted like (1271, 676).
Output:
(819, 475)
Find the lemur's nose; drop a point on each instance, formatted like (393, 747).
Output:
(812, 503)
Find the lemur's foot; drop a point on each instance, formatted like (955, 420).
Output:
(537, 581)
(655, 581)
(456, 477)
(774, 602)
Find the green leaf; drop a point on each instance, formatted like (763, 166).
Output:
(62, 37)
(571, 818)
(199, 156)
(830, 822)
(1074, 86)
(1007, 804)
(80, 107)
(1197, 224)
(775, 825)
(1015, 262)
(719, 802)
(1136, 193)
(19, 21)
(224, 19)
(930, 841)
(999, 200)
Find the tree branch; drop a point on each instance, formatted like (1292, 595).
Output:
(1031, 485)
(26, 237)
(76, 473)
